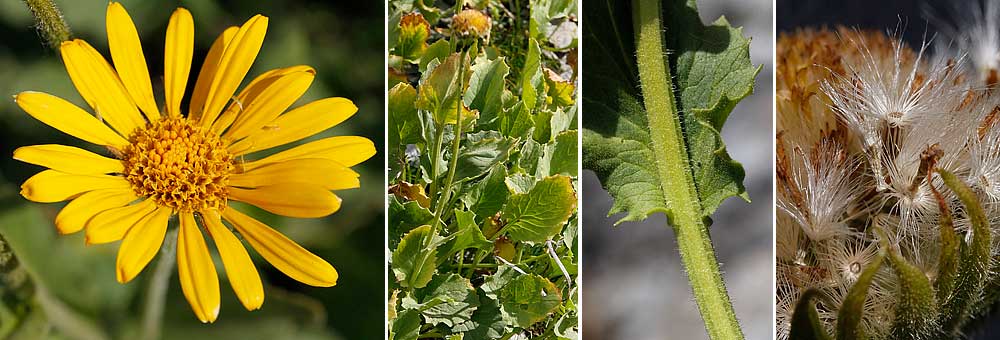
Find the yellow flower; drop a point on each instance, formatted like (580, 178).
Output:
(168, 163)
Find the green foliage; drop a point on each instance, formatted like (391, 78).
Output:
(493, 141)
(656, 106)
(711, 65)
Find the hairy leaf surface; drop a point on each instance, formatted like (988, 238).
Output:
(712, 72)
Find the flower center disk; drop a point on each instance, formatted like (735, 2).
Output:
(178, 165)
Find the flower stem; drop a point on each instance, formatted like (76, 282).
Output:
(676, 178)
(434, 165)
(152, 316)
(49, 22)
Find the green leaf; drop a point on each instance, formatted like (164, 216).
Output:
(975, 259)
(543, 126)
(516, 121)
(540, 214)
(805, 319)
(404, 123)
(562, 154)
(532, 82)
(563, 119)
(406, 326)
(529, 299)
(494, 283)
(440, 90)
(488, 196)
(439, 50)
(405, 216)
(530, 155)
(520, 183)
(712, 71)
(448, 299)
(487, 321)
(486, 86)
(852, 310)
(916, 311)
(465, 234)
(481, 152)
(413, 262)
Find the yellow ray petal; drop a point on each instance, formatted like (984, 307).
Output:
(346, 150)
(284, 254)
(233, 66)
(140, 244)
(53, 186)
(75, 215)
(68, 118)
(253, 90)
(271, 102)
(100, 87)
(299, 123)
(130, 62)
(207, 73)
(290, 199)
(177, 54)
(199, 281)
(112, 224)
(240, 270)
(68, 159)
(319, 172)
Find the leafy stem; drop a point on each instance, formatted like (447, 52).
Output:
(434, 163)
(455, 143)
(676, 178)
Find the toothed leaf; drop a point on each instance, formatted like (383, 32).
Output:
(712, 71)
(486, 87)
(540, 213)
(412, 263)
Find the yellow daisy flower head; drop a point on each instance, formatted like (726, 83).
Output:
(191, 164)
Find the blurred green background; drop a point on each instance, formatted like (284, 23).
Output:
(77, 294)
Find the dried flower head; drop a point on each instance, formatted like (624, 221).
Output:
(471, 23)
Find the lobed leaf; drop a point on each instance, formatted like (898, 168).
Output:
(712, 71)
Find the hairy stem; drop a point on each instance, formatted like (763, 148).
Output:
(49, 22)
(152, 316)
(676, 178)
